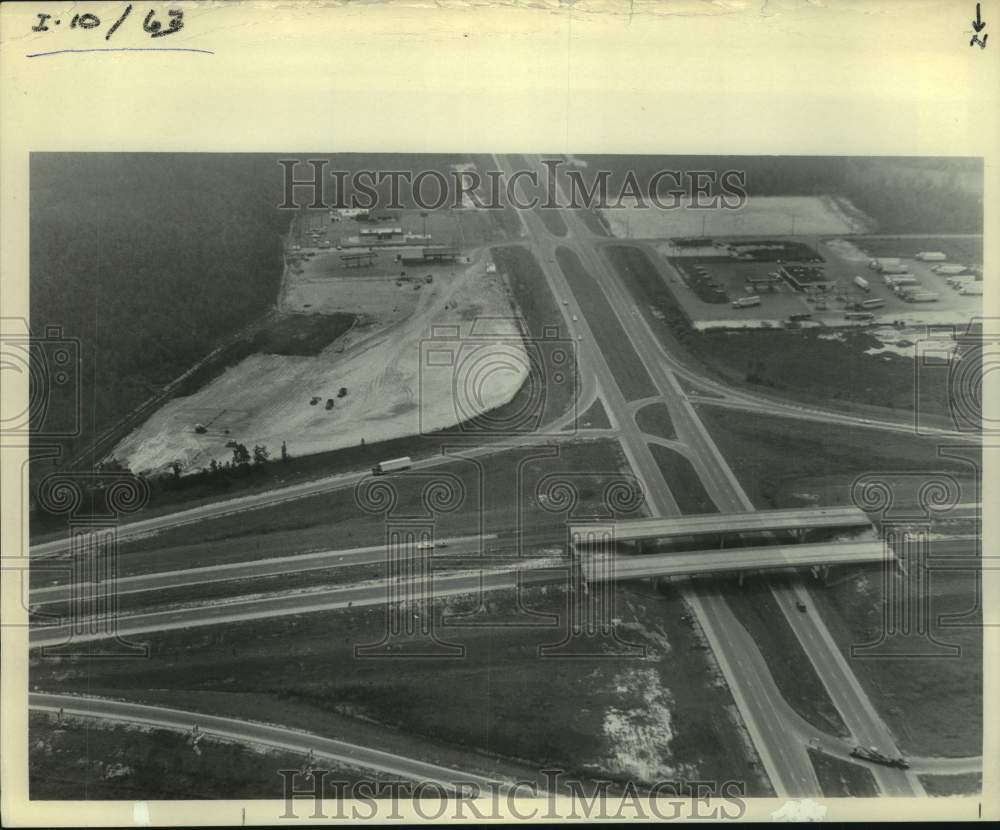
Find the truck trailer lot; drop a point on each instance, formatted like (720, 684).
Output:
(807, 292)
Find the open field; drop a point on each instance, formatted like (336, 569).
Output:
(595, 417)
(967, 250)
(783, 462)
(945, 785)
(759, 215)
(842, 779)
(665, 717)
(933, 704)
(617, 349)
(683, 481)
(86, 759)
(654, 419)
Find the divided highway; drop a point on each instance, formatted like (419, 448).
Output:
(781, 748)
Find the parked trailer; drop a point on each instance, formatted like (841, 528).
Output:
(746, 302)
(974, 289)
(872, 303)
(859, 315)
(894, 268)
(949, 270)
(392, 465)
(932, 256)
(880, 263)
(922, 297)
(862, 283)
(890, 279)
(902, 279)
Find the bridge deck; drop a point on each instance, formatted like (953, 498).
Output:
(711, 523)
(602, 567)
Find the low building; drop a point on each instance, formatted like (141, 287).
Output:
(803, 277)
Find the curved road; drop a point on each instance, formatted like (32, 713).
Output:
(248, 732)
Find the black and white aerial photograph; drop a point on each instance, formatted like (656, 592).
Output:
(599, 473)
(479, 414)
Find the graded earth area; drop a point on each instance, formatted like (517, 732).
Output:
(431, 347)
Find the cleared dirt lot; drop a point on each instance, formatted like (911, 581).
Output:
(760, 215)
(375, 383)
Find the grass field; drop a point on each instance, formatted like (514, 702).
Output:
(683, 481)
(945, 785)
(913, 693)
(654, 419)
(617, 349)
(667, 716)
(842, 779)
(84, 759)
(783, 462)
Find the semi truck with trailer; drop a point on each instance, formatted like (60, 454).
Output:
(746, 302)
(871, 753)
(922, 297)
(862, 283)
(932, 256)
(874, 302)
(392, 465)
(949, 270)
(859, 316)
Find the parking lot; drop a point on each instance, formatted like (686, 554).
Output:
(821, 286)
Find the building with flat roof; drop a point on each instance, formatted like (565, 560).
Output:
(801, 277)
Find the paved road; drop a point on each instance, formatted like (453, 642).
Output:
(242, 609)
(778, 742)
(255, 568)
(764, 712)
(276, 737)
(280, 495)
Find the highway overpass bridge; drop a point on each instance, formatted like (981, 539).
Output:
(640, 531)
(607, 567)
(597, 544)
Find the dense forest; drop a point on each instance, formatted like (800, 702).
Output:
(149, 261)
